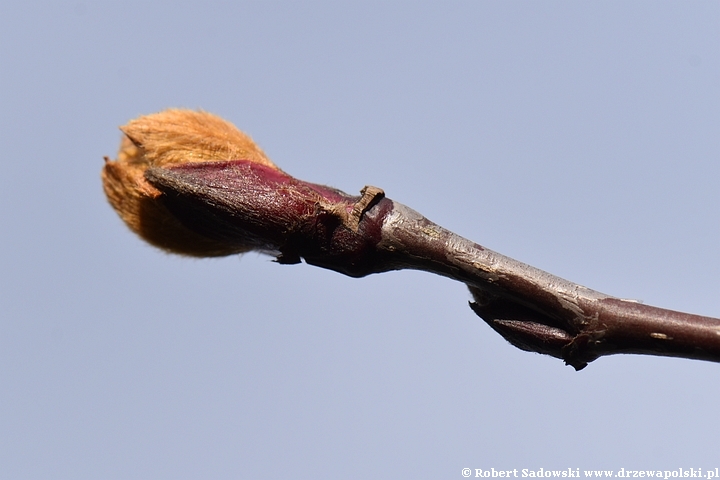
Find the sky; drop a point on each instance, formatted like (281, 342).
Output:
(579, 137)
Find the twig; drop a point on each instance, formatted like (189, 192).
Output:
(237, 204)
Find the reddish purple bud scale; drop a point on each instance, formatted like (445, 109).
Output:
(244, 203)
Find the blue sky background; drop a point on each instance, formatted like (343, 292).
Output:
(579, 137)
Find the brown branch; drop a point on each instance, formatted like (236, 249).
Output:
(539, 312)
(205, 206)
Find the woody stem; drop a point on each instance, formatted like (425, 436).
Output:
(540, 312)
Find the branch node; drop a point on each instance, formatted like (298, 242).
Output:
(370, 196)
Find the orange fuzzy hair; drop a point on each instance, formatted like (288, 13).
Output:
(169, 138)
